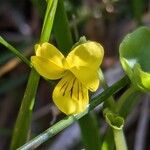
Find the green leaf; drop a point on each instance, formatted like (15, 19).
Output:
(21, 130)
(61, 29)
(115, 121)
(48, 20)
(135, 57)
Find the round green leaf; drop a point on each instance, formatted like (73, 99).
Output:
(135, 57)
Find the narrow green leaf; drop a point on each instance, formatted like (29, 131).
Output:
(22, 125)
(48, 20)
(61, 29)
(24, 117)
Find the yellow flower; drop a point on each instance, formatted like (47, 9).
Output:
(79, 73)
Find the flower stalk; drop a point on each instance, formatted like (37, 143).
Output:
(116, 122)
(110, 102)
(119, 139)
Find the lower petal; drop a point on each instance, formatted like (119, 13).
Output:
(70, 96)
(87, 77)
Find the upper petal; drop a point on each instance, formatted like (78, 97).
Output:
(70, 96)
(47, 68)
(47, 50)
(89, 54)
(84, 61)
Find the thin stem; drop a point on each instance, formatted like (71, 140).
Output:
(119, 139)
(47, 25)
(15, 51)
(59, 126)
(110, 102)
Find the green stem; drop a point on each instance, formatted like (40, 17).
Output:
(110, 102)
(15, 51)
(48, 20)
(119, 139)
(59, 126)
(25, 113)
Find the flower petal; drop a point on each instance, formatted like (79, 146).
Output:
(47, 50)
(89, 54)
(88, 77)
(70, 96)
(84, 61)
(47, 68)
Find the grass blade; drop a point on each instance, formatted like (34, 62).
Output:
(25, 113)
